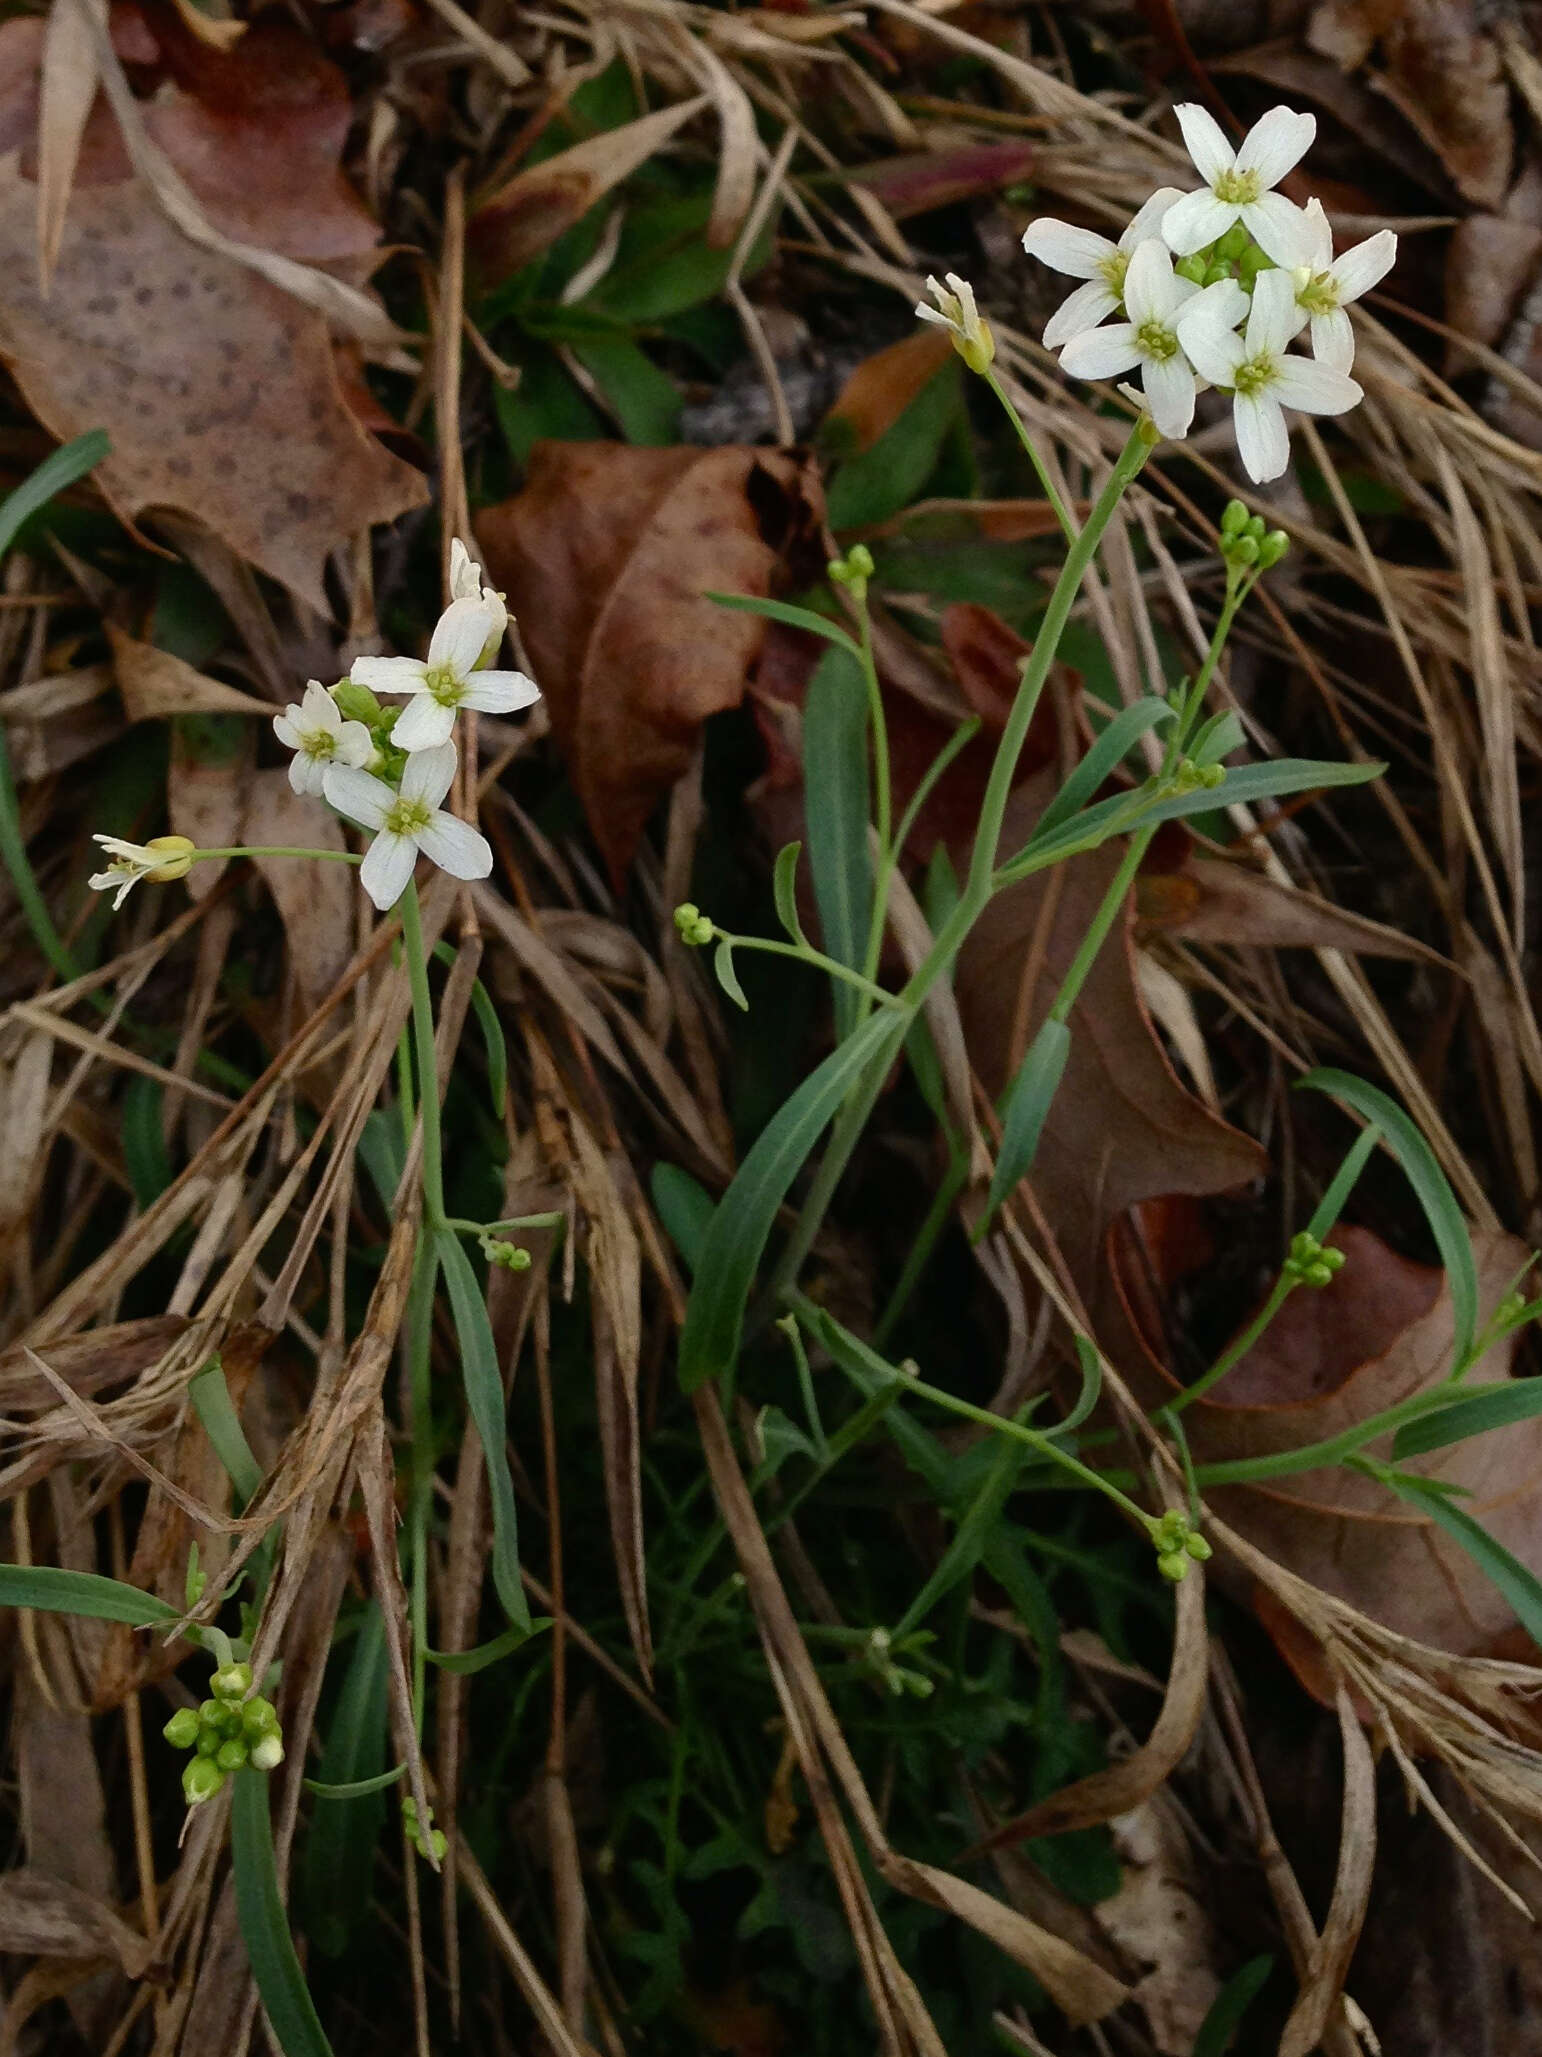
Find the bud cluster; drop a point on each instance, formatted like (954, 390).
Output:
(507, 1255)
(1311, 1263)
(424, 1837)
(1245, 543)
(1188, 777)
(854, 569)
(224, 1733)
(695, 928)
(1178, 1543)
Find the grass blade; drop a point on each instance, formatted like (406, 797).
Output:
(71, 461)
(52, 1591)
(339, 1859)
(264, 1928)
(222, 1425)
(784, 887)
(836, 808)
(1230, 2004)
(484, 1396)
(466, 1663)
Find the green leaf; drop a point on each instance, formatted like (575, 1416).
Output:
(743, 1219)
(356, 1789)
(87, 1593)
(665, 265)
(484, 1396)
(1092, 1385)
(545, 405)
(835, 788)
(211, 1400)
(466, 1663)
(889, 474)
(1521, 1587)
(645, 399)
(1025, 1108)
(685, 1207)
(338, 1866)
(1230, 2004)
(144, 1142)
(874, 1377)
(792, 617)
(1497, 1406)
(784, 889)
(1431, 1189)
(1217, 738)
(497, 1053)
(260, 1916)
(727, 977)
(976, 1527)
(71, 461)
(1104, 758)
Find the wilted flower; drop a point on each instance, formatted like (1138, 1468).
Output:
(466, 584)
(1239, 183)
(1084, 254)
(1159, 306)
(1325, 285)
(957, 313)
(162, 858)
(318, 735)
(449, 678)
(407, 822)
(1262, 379)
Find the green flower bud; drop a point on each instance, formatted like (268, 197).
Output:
(1211, 775)
(231, 1682)
(267, 1752)
(1273, 547)
(201, 1780)
(209, 1711)
(231, 1755)
(1235, 243)
(1234, 518)
(509, 1255)
(1255, 527)
(209, 1741)
(1197, 1547)
(356, 703)
(1244, 550)
(1174, 1565)
(694, 926)
(1192, 268)
(259, 1717)
(1219, 269)
(182, 1729)
(1250, 263)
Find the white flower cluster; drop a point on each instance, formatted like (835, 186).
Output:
(1252, 271)
(390, 773)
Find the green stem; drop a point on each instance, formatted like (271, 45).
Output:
(1062, 513)
(1332, 1450)
(807, 954)
(265, 850)
(920, 1253)
(420, 1323)
(1091, 943)
(13, 855)
(428, 1063)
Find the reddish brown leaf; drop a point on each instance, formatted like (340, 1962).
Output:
(607, 556)
(923, 180)
(1213, 900)
(883, 386)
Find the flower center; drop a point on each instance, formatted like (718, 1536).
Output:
(1256, 373)
(1237, 188)
(319, 743)
(1153, 339)
(444, 686)
(1113, 268)
(407, 817)
(1318, 294)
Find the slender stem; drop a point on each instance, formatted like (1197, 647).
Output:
(1092, 942)
(428, 1063)
(1062, 513)
(13, 856)
(806, 954)
(1332, 1450)
(420, 1319)
(266, 850)
(920, 1252)
(486, 1228)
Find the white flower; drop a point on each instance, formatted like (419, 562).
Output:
(466, 584)
(1325, 287)
(1239, 184)
(449, 679)
(1084, 254)
(1262, 378)
(1158, 303)
(318, 736)
(163, 857)
(407, 822)
(957, 313)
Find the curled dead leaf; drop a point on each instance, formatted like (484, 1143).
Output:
(41, 1916)
(1213, 900)
(156, 685)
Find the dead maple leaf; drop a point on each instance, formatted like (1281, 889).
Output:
(1380, 1333)
(607, 556)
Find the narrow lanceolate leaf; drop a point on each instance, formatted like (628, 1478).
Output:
(484, 1396)
(1108, 752)
(71, 461)
(1489, 1407)
(835, 785)
(53, 1591)
(1431, 1189)
(1520, 1587)
(784, 887)
(727, 977)
(743, 1218)
(264, 1929)
(214, 1407)
(793, 617)
(1027, 1105)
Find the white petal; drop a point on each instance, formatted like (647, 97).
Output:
(1195, 220)
(320, 709)
(358, 794)
(1151, 290)
(1333, 340)
(1083, 309)
(1271, 319)
(1312, 387)
(1365, 265)
(460, 636)
(1262, 443)
(428, 773)
(389, 674)
(387, 867)
(456, 847)
(943, 321)
(465, 573)
(500, 692)
(423, 724)
(308, 774)
(1148, 222)
(1081, 253)
(286, 727)
(1277, 143)
(1275, 225)
(1223, 305)
(1169, 393)
(354, 745)
(1210, 341)
(1101, 353)
(1203, 140)
(1316, 237)
(131, 853)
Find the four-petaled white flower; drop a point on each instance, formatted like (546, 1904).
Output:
(957, 313)
(1263, 380)
(319, 736)
(1239, 184)
(163, 857)
(1325, 285)
(466, 584)
(1084, 254)
(407, 822)
(1159, 305)
(448, 679)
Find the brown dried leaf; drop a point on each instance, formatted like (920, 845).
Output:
(91, 1362)
(315, 898)
(1159, 1918)
(1351, 1892)
(41, 1916)
(1214, 900)
(607, 555)
(206, 781)
(883, 386)
(218, 390)
(155, 685)
(1490, 262)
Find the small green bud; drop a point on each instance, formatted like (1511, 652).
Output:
(209, 1712)
(1192, 268)
(231, 1755)
(509, 1255)
(1211, 775)
(854, 569)
(1220, 268)
(1197, 1547)
(1273, 547)
(182, 1729)
(1510, 1312)
(1235, 243)
(231, 1682)
(694, 926)
(1234, 518)
(356, 703)
(1255, 527)
(201, 1780)
(1250, 263)
(259, 1717)
(267, 1752)
(1244, 550)
(209, 1741)
(1174, 1565)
